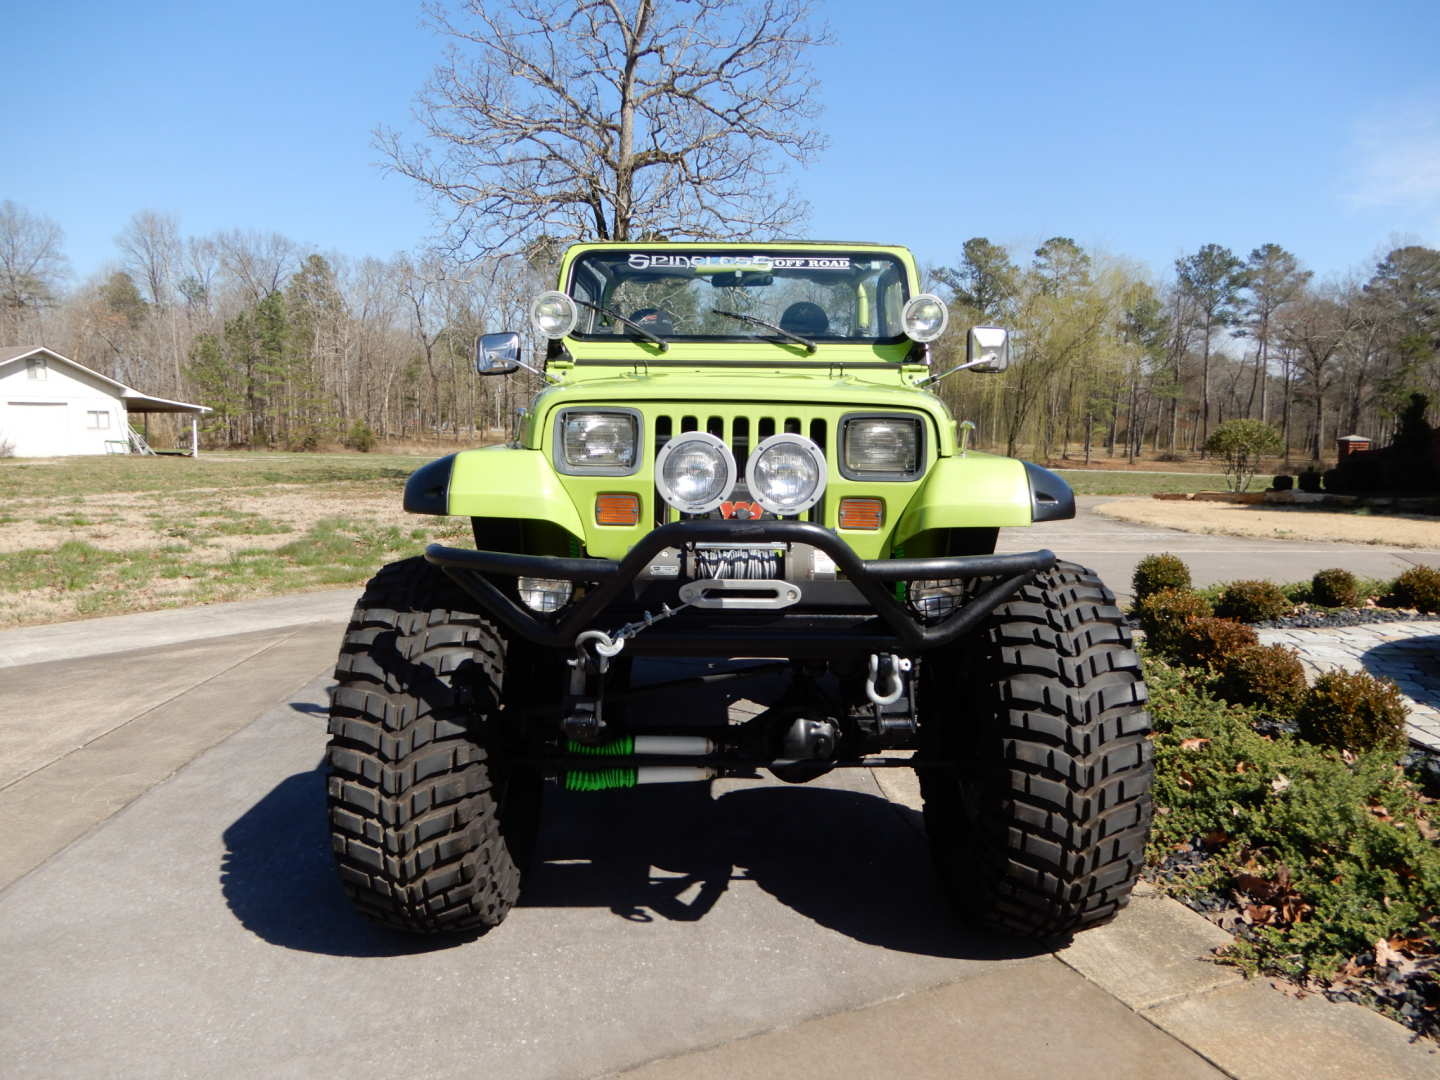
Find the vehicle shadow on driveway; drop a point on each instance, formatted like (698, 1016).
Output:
(849, 861)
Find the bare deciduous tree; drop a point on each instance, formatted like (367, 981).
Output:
(259, 262)
(31, 265)
(615, 119)
(151, 246)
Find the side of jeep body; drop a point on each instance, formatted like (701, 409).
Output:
(737, 458)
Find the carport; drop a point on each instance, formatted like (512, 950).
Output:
(136, 402)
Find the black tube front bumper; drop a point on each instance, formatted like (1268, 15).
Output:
(884, 622)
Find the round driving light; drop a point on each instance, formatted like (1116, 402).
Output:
(924, 318)
(786, 474)
(553, 314)
(694, 472)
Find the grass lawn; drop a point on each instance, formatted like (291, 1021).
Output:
(107, 535)
(51, 478)
(1099, 482)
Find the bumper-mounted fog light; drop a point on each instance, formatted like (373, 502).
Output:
(544, 594)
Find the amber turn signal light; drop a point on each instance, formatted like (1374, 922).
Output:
(617, 509)
(862, 513)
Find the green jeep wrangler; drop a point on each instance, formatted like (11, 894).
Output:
(737, 458)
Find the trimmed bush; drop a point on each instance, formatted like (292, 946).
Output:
(1283, 482)
(1351, 710)
(1156, 572)
(1418, 588)
(1310, 480)
(1252, 601)
(1163, 615)
(1205, 641)
(1358, 474)
(1335, 588)
(1268, 677)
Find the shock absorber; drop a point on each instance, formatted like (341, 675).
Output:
(602, 779)
(626, 745)
(614, 779)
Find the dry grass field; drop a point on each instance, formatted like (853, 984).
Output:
(81, 537)
(1282, 522)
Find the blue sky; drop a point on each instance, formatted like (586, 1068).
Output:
(1144, 130)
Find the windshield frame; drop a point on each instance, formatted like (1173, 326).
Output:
(894, 276)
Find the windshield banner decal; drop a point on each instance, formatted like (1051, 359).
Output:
(723, 263)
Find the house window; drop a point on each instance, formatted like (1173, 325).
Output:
(36, 367)
(97, 420)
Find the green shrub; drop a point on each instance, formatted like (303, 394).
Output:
(1240, 445)
(1354, 711)
(1268, 677)
(1418, 588)
(1156, 572)
(304, 438)
(1252, 601)
(1283, 482)
(1342, 843)
(1309, 480)
(1163, 615)
(360, 437)
(1206, 640)
(1335, 588)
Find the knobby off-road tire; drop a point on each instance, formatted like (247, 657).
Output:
(1041, 829)
(429, 821)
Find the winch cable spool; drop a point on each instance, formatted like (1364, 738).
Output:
(737, 563)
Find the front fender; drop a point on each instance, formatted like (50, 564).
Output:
(493, 482)
(974, 491)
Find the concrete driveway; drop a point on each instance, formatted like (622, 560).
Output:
(168, 908)
(1113, 548)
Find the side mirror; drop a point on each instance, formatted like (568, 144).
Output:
(497, 354)
(987, 348)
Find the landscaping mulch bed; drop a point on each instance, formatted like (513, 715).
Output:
(1324, 618)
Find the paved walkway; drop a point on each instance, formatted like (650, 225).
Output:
(1407, 652)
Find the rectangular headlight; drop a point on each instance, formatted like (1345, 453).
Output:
(599, 440)
(881, 448)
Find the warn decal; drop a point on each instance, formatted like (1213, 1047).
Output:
(742, 511)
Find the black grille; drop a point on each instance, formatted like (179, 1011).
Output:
(741, 434)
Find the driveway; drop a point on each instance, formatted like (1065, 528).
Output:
(168, 907)
(1113, 548)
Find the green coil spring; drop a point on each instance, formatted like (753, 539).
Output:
(618, 748)
(597, 779)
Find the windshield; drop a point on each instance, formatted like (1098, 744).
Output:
(728, 295)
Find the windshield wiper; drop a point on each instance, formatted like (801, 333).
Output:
(810, 346)
(603, 310)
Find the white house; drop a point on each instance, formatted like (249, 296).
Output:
(50, 406)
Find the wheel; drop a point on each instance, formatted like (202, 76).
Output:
(430, 821)
(1039, 830)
